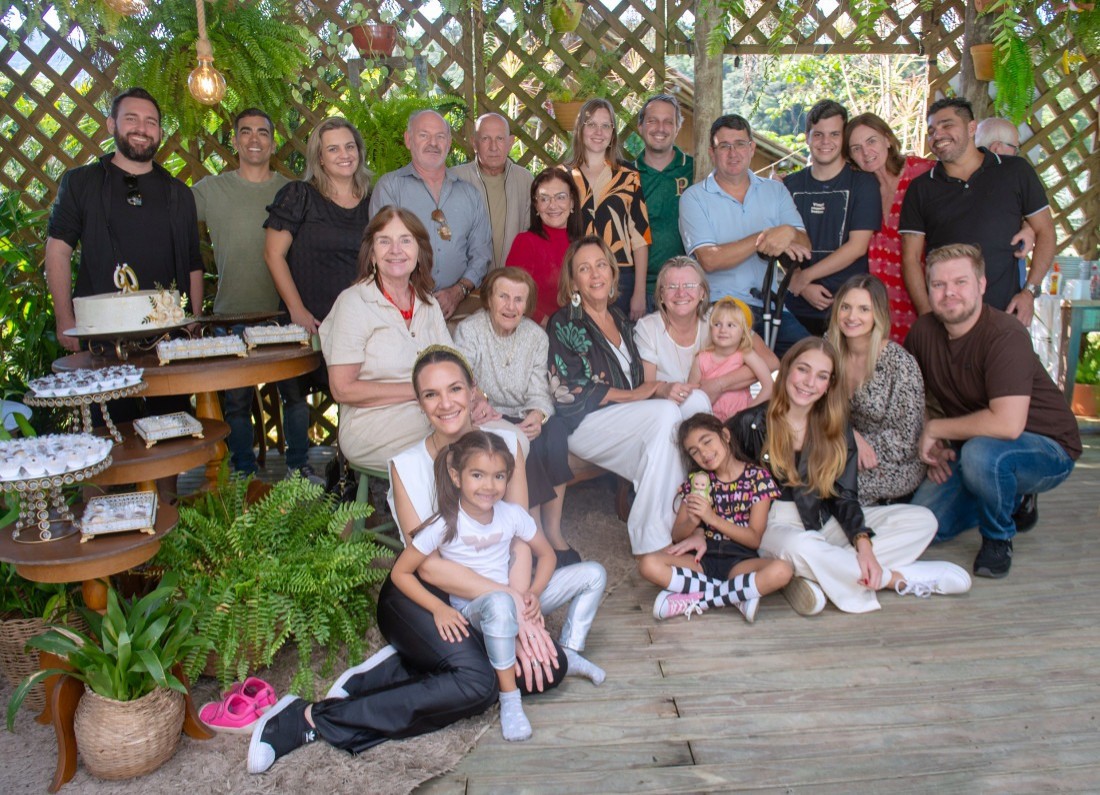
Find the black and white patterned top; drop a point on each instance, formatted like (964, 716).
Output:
(888, 411)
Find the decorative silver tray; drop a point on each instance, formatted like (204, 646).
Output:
(275, 335)
(201, 348)
(167, 426)
(119, 513)
(123, 343)
(84, 404)
(43, 512)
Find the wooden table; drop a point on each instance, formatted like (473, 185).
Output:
(204, 378)
(68, 560)
(1078, 318)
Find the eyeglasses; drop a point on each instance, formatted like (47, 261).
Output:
(547, 198)
(685, 286)
(133, 195)
(441, 219)
(601, 126)
(726, 147)
(1014, 147)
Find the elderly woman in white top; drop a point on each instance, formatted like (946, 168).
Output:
(508, 351)
(669, 338)
(373, 334)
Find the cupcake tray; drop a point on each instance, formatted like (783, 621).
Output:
(167, 426)
(43, 513)
(275, 335)
(200, 348)
(83, 403)
(119, 513)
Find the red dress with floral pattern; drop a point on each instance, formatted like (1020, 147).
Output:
(884, 254)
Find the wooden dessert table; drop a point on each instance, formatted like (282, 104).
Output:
(132, 462)
(68, 560)
(204, 378)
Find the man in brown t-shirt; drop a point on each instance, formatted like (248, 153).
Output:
(1005, 427)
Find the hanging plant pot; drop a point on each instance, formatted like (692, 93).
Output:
(1086, 400)
(373, 39)
(982, 56)
(124, 739)
(565, 16)
(566, 113)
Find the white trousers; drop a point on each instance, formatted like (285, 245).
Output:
(902, 532)
(637, 441)
(696, 403)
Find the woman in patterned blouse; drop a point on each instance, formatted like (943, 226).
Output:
(886, 391)
(601, 394)
(612, 204)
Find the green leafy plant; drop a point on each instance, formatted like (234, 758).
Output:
(382, 122)
(1088, 366)
(258, 46)
(277, 569)
(21, 598)
(127, 652)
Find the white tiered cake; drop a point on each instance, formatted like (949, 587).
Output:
(126, 312)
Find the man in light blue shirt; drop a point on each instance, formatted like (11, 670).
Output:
(734, 220)
(453, 211)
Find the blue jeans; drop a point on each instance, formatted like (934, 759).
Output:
(790, 329)
(988, 480)
(237, 409)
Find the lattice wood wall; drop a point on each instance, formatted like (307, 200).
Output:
(52, 117)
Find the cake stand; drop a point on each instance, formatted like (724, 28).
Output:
(43, 513)
(84, 403)
(123, 343)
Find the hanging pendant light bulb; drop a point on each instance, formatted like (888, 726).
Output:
(126, 8)
(206, 84)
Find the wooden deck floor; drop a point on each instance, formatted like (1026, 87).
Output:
(994, 691)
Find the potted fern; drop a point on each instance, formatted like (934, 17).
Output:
(129, 720)
(264, 573)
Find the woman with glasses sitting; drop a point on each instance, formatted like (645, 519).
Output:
(669, 338)
(612, 205)
(555, 223)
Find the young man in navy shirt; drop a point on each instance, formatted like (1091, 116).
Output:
(841, 209)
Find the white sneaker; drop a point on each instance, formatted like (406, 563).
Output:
(748, 609)
(338, 691)
(926, 577)
(669, 604)
(805, 596)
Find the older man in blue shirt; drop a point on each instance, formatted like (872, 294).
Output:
(453, 211)
(733, 220)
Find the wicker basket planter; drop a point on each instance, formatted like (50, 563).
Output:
(124, 739)
(17, 664)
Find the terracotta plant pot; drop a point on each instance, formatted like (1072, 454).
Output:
(1086, 400)
(374, 40)
(982, 56)
(565, 16)
(566, 113)
(124, 739)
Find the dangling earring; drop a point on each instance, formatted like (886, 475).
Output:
(576, 299)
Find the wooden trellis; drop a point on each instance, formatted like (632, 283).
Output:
(57, 88)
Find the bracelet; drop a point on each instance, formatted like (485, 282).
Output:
(857, 536)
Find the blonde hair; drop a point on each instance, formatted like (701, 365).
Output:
(567, 285)
(742, 315)
(315, 174)
(880, 311)
(825, 445)
(682, 261)
(614, 153)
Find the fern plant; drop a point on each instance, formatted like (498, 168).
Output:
(258, 46)
(277, 569)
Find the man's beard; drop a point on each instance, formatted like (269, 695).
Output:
(130, 153)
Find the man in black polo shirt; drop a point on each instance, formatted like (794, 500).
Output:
(841, 209)
(974, 196)
(123, 208)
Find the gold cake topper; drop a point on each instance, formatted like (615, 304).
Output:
(125, 279)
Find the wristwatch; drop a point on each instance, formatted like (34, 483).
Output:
(1035, 289)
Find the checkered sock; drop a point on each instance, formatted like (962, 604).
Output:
(716, 593)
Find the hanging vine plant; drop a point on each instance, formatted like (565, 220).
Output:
(257, 46)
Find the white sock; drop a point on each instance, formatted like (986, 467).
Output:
(579, 666)
(513, 723)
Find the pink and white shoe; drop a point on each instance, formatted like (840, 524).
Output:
(669, 604)
(256, 690)
(236, 714)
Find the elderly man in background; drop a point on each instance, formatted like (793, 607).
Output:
(453, 211)
(504, 185)
(999, 136)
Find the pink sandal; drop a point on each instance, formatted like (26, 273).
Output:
(255, 690)
(235, 715)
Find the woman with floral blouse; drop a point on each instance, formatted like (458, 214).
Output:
(601, 393)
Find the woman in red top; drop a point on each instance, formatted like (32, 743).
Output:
(871, 146)
(555, 223)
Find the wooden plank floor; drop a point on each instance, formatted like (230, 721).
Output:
(994, 691)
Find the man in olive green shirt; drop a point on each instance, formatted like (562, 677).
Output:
(666, 173)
